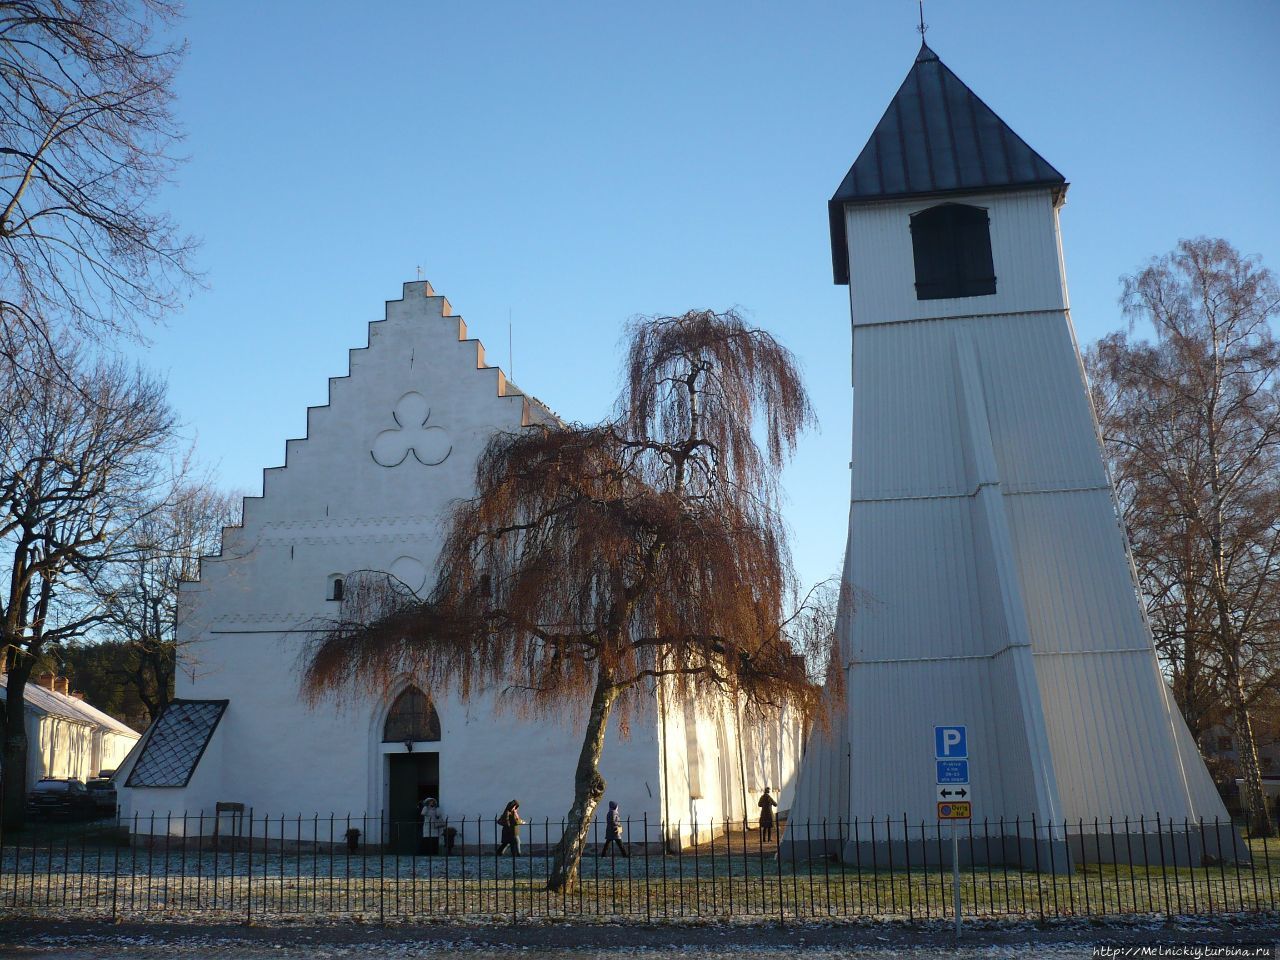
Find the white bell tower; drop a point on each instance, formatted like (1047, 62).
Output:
(990, 576)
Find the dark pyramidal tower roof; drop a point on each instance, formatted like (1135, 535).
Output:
(937, 137)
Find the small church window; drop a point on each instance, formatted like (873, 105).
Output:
(336, 586)
(412, 717)
(951, 244)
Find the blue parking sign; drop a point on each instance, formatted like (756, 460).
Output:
(950, 743)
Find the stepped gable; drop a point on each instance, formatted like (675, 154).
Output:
(936, 137)
(534, 411)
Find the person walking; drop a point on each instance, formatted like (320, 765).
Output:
(510, 822)
(613, 830)
(766, 805)
(432, 826)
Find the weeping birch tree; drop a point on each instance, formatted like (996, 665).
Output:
(598, 563)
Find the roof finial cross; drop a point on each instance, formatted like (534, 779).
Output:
(923, 26)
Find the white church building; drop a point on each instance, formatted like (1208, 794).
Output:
(369, 488)
(989, 572)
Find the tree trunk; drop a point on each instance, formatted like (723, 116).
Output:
(1231, 644)
(588, 789)
(14, 809)
(1255, 797)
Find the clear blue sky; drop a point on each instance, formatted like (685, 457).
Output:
(578, 163)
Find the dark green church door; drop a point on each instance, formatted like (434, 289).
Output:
(414, 777)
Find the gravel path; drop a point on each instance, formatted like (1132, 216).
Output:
(50, 940)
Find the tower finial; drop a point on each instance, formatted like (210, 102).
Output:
(923, 26)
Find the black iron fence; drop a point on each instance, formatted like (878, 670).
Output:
(244, 865)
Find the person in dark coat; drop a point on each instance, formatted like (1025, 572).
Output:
(510, 823)
(613, 830)
(766, 805)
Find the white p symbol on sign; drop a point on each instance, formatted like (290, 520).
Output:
(950, 742)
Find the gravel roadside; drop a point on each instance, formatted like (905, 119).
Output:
(78, 940)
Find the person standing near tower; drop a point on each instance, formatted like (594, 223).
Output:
(432, 826)
(766, 805)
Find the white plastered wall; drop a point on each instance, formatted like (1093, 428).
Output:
(64, 748)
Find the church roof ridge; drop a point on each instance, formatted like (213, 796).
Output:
(936, 137)
(62, 705)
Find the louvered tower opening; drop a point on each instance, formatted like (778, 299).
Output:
(951, 244)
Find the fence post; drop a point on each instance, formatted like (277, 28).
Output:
(364, 862)
(1035, 846)
(1235, 856)
(1266, 863)
(826, 865)
(447, 857)
(1164, 874)
(777, 856)
(297, 860)
(168, 834)
(115, 877)
(133, 865)
(248, 897)
(648, 913)
(697, 866)
(666, 832)
(906, 858)
(944, 878)
(955, 876)
(1191, 863)
(712, 841)
(66, 867)
(1173, 852)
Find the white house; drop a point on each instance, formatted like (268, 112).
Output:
(67, 737)
(368, 488)
(992, 582)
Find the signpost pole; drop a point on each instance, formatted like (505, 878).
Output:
(955, 799)
(955, 873)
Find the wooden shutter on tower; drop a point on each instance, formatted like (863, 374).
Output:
(951, 246)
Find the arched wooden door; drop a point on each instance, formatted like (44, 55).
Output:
(411, 729)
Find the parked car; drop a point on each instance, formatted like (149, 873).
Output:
(103, 792)
(61, 798)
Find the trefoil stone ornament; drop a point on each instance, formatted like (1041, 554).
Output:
(429, 445)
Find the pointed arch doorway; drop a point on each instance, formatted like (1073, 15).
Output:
(410, 744)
